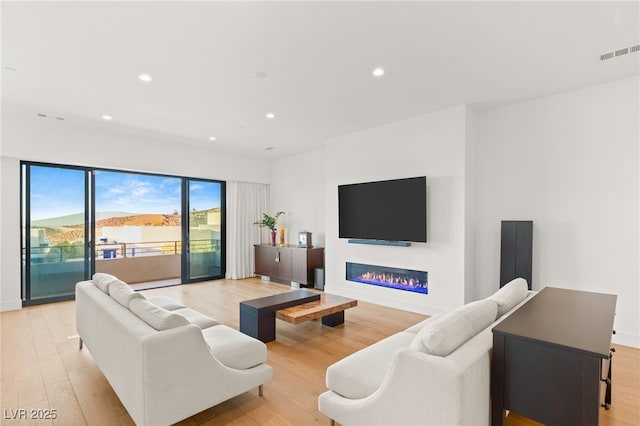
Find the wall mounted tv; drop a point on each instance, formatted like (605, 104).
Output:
(389, 210)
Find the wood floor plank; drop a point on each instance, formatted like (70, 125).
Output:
(42, 368)
(68, 411)
(98, 401)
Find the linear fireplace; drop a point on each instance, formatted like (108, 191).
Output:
(385, 276)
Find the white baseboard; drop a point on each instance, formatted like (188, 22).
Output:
(626, 339)
(10, 305)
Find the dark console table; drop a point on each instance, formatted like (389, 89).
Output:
(547, 357)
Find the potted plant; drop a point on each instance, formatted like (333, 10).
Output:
(271, 223)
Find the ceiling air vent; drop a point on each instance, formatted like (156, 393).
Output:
(620, 52)
(606, 56)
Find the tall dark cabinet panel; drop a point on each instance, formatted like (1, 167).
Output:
(516, 251)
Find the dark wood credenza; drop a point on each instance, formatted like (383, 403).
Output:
(288, 263)
(548, 357)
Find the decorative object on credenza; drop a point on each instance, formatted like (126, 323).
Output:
(282, 244)
(270, 222)
(304, 239)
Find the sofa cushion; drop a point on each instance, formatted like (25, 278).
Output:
(510, 295)
(234, 349)
(446, 333)
(102, 280)
(155, 316)
(419, 326)
(166, 303)
(122, 293)
(361, 373)
(195, 317)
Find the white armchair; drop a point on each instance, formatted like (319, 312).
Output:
(434, 373)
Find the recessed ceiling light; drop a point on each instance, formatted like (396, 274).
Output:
(269, 148)
(378, 72)
(60, 118)
(42, 115)
(271, 115)
(106, 117)
(9, 68)
(259, 75)
(145, 77)
(212, 138)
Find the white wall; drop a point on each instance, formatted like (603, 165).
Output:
(431, 145)
(9, 235)
(471, 205)
(297, 188)
(26, 136)
(569, 163)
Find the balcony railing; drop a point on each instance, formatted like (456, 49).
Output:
(74, 252)
(130, 262)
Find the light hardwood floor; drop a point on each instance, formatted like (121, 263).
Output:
(41, 366)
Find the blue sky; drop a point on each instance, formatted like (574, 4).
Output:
(56, 192)
(204, 195)
(137, 193)
(60, 192)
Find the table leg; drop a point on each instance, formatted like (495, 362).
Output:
(259, 324)
(333, 320)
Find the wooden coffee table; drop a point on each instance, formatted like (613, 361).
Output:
(330, 308)
(258, 316)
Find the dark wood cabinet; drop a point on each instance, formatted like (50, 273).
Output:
(288, 263)
(547, 357)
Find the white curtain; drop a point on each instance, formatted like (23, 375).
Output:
(245, 204)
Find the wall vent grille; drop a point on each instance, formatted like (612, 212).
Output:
(620, 52)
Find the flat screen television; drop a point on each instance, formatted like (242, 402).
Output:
(389, 210)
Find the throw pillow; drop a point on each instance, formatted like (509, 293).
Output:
(510, 295)
(155, 316)
(102, 280)
(122, 293)
(446, 333)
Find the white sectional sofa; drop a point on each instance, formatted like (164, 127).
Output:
(165, 362)
(436, 372)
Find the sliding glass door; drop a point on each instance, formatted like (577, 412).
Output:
(204, 257)
(143, 228)
(55, 237)
(138, 226)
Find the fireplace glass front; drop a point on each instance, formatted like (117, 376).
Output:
(385, 276)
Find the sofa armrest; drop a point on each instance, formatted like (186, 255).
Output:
(419, 389)
(182, 377)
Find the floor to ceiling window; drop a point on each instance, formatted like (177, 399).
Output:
(138, 227)
(55, 237)
(204, 256)
(77, 221)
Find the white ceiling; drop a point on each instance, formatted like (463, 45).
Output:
(80, 60)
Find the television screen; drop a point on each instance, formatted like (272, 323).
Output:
(390, 210)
